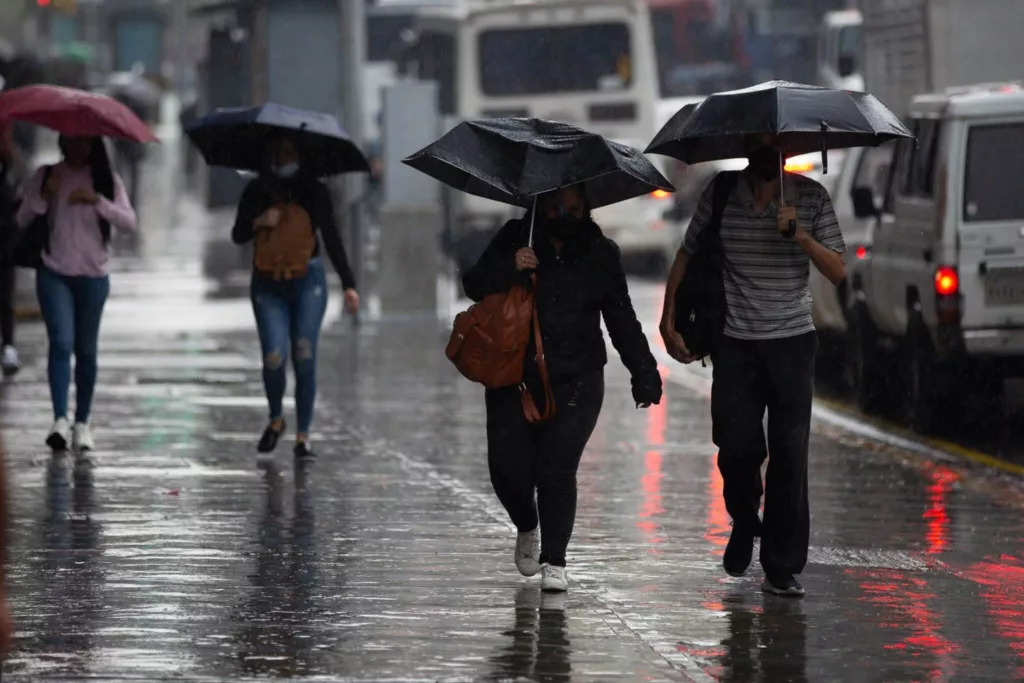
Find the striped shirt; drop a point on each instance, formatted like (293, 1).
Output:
(767, 286)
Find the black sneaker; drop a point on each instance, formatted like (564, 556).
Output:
(303, 451)
(782, 584)
(268, 442)
(739, 553)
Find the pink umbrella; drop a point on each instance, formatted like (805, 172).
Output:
(72, 112)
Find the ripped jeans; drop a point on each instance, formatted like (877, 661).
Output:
(289, 313)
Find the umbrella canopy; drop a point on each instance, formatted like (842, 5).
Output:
(73, 112)
(806, 118)
(237, 138)
(511, 160)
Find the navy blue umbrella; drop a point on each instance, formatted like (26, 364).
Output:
(237, 138)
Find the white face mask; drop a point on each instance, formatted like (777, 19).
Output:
(286, 171)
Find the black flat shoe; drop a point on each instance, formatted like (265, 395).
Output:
(303, 451)
(268, 442)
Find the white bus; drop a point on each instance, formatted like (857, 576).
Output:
(590, 63)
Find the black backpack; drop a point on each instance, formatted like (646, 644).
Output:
(700, 298)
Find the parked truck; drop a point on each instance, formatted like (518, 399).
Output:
(918, 46)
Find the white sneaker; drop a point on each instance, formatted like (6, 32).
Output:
(82, 438)
(527, 552)
(11, 362)
(554, 579)
(60, 435)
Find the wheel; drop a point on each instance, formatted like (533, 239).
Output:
(865, 366)
(926, 385)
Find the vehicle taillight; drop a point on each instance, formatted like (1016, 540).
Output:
(661, 194)
(862, 252)
(947, 281)
(799, 166)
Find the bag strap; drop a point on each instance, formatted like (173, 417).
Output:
(725, 183)
(533, 415)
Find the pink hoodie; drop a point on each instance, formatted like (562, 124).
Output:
(76, 244)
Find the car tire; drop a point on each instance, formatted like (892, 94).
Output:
(865, 365)
(925, 384)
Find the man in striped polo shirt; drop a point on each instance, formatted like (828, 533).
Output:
(765, 360)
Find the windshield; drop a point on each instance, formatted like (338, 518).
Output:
(849, 42)
(384, 35)
(555, 59)
(995, 165)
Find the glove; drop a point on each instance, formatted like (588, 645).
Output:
(647, 391)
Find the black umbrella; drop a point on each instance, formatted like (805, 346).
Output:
(237, 138)
(806, 118)
(512, 160)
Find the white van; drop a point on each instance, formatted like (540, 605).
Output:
(945, 297)
(839, 51)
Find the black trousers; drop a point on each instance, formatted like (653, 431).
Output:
(7, 283)
(524, 458)
(750, 377)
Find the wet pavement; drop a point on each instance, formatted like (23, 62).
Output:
(170, 555)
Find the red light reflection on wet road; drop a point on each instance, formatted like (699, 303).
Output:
(1003, 591)
(650, 482)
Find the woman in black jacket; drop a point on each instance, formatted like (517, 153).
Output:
(579, 279)
(290, 310)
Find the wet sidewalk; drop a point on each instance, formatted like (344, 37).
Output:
(170, 555)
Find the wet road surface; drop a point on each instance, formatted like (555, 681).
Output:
(170, 555)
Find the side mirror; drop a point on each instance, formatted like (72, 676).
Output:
(676, 213)
(864, 202)
(847, 66)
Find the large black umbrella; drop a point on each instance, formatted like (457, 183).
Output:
(806, 118)
(237, 138)
(512, 160)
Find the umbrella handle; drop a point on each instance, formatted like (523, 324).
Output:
(533, 218)
(782, 192)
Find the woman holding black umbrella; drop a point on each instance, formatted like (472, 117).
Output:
(284, 210)
(579, 280)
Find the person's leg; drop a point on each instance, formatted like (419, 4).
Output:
(7, 284)
(307, 316)
(559, 450)
(273, 323)
(737, 411)
(511, 451)
(90, 294)
(786, 529)
(57, 304)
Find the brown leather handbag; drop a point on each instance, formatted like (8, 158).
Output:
(488, 345)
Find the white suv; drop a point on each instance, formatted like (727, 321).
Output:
(944, 292)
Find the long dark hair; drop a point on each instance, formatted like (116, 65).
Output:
(102, 174)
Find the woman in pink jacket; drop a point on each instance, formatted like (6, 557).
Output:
(83, 199)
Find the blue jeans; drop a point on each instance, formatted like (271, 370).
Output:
(289, 313)
(72, 307)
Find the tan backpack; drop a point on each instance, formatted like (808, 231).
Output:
(283, 251)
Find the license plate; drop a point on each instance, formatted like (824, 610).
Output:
(1005, 289)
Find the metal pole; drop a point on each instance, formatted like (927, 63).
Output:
(352, 58)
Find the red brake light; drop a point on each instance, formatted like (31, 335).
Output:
(947, 281)
(862, 252)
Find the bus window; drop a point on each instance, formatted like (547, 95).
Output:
(555, 59)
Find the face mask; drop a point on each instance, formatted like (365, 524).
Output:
(286, 171)
(565, 225)
(764, 164)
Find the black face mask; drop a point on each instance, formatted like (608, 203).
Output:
(764, 164)
(564, 227)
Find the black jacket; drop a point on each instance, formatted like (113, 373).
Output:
(310, 194)
(574, 289)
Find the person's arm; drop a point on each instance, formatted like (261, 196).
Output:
(253, 203)
(118, 212)
(333, 245)
(627, 333)
(701, 217)
(824, 242)
(33, 204)
(495, 271)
